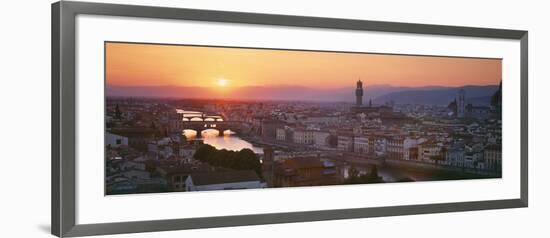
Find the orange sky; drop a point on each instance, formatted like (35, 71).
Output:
(166, 65)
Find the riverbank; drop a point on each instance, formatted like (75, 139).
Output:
(395, 172)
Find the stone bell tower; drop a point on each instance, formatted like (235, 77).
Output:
(359, 94)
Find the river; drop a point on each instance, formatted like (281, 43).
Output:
(229, 141)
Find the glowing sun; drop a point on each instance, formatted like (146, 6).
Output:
(222, 82)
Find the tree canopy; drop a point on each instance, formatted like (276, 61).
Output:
(244, 159)
(356, 178)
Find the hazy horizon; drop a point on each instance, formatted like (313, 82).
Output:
(288, 85)
(155, 70)
(383, 93)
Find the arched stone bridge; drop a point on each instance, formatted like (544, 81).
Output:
(202, 117)
(200, 126)
(200, 122)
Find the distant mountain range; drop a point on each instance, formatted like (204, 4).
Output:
(477, 95)
(441, 95)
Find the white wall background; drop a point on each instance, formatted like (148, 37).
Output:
(25, 118)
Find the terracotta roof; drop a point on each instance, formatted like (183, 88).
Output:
(234, 176)
(302, 162)
(134, 132)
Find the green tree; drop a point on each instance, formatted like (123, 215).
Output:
(356, 178)
(244, 159)
(203, 152)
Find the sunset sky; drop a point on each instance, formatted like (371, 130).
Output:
(193, 66)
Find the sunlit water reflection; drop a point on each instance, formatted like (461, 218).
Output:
(228, 141)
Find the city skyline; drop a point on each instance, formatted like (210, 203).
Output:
(180, 138)
(225, 70)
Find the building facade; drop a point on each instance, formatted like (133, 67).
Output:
(228, 180)
(395, 148)
(361, 145)
(305, 171)
(115, 141)
(410, 148)
(321, 139)
(493, 157)
(304, 137)
(281, 134)
(345, 143)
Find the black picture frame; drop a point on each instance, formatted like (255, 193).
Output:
(63, 117)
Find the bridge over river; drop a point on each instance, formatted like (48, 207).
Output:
(199, 122)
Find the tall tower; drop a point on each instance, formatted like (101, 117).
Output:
(460, 103)
(359, 94)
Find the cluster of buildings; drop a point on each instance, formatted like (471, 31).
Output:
(299, 170)
(460, 135)
(168, 166)
(144, 156)
(305, 143)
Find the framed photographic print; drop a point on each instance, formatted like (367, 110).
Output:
(168, 118)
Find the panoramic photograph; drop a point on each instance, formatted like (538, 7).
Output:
(183, 118)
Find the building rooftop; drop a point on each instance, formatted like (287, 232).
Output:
(494, 147)
(134, 132)
(234, 176)
(302, 162)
